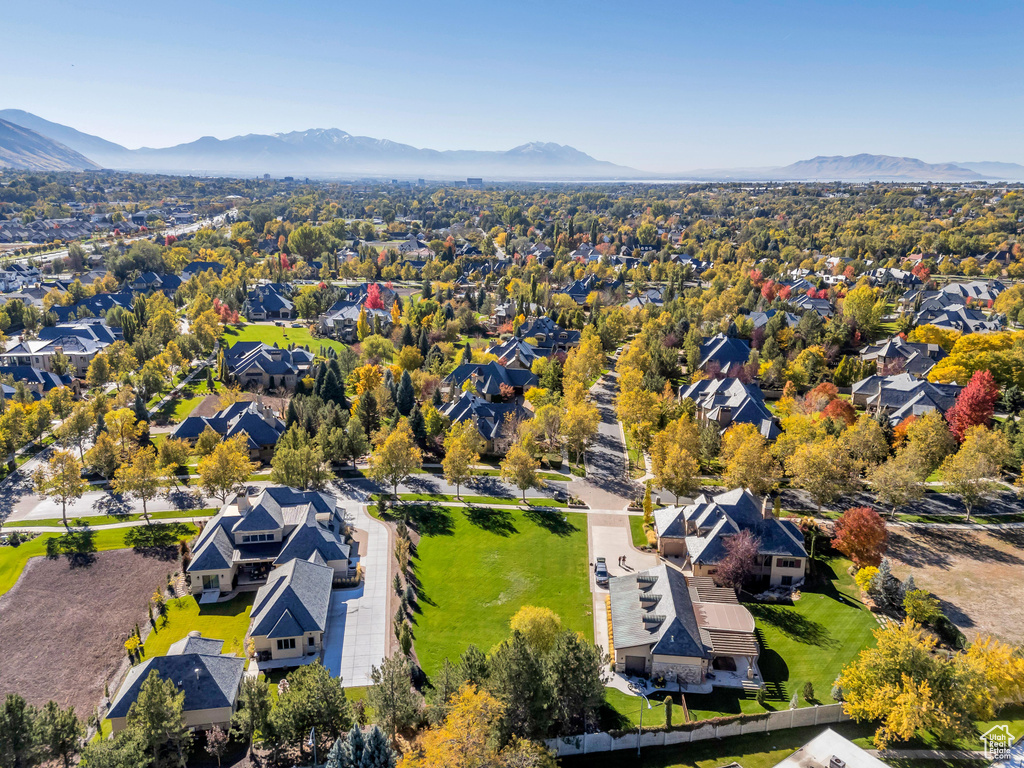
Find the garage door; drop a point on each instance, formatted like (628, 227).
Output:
(636, 665)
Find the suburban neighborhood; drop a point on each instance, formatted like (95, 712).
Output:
(349, 466)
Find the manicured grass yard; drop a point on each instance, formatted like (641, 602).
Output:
(478, 567)
(531, 501)
(636, 528)
(114, 519)
(754, 751)
(809, 641)
(227, 621)
(13, 559)
(273, 334)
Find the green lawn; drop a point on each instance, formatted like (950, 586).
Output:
(187, 400)
(636, 528)
(113, 519)
(810, 641)
(477, 567)
(227, 621)
(754, 751)
(272, 334)
(13, 559)
(491, 500)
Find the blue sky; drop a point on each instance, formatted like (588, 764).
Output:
(662, 86)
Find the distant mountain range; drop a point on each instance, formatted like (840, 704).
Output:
(328, 152)
(31, 142)
(28, 150)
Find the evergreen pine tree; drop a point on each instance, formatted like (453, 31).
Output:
(318, 382)
(405, 398)
(292, 416)
(436, 398)
(377, 752)
(417, 423)
(467, 354)
(141, 409)
(424, 342)
(407, 339)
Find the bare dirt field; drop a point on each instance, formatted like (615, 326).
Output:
(66, 626)
(976, 574)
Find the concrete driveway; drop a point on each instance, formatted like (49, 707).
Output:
(357, 620)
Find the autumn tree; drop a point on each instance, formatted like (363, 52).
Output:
(579, 426)
(752, 466)
(824, 469)
(140, 477)
(462, 446)
(519, 467)
(673, 462)
(539, 626)
(974, 405)
(225, 470)
(395, 456)
(971, 471)
(908, 687)
(61, 480)
(860, 534)
(896, 482)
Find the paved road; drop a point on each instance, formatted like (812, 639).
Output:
(607, 485)
(357, 621)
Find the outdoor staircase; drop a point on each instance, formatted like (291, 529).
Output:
(180, 588)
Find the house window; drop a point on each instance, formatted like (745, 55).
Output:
(787, 581)
(286, 645)
(788, 563)
(311, 640)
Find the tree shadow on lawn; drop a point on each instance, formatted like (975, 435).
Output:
(427, 519)
(498, 521)
(159, 541)
(554, 521)
(793, 624)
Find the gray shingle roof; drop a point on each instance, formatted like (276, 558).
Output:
(299, 588)
(209, 680)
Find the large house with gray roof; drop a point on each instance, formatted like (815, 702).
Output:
(250, 537)
(493, 382)
(289, 614)
(724, 352)
(684, 629)
(79, 341)
(729, 401)
(906, 356)
(255, 364)
(488, 418)
(697, 534)
(262, 429)
(209, 679)
(902, 395)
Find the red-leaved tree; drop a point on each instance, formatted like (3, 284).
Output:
(974, 405)
(861, 536)
(373, 299)
(840, 410)
(736, 568)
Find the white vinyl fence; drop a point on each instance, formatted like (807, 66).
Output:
(720, 728)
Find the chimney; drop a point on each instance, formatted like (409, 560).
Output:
(243, 503)
(766, 510)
